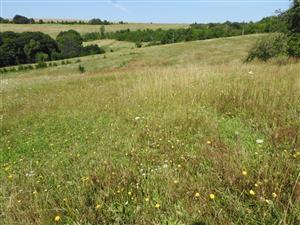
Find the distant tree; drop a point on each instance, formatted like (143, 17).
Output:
(18, 19)
(41, 21)
(69, 43)
(31, 21)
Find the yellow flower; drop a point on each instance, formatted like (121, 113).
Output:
(251, 192)
(274, 195)
(244, 172)
(10, 177)
(256, 184)
(197, 195)
(212, 196)
(157, 206)
(34, 192)
(98, 206)
(268, 201)
(175, 181)
(129, 193)
(147, 199)
(208, 142)
(57, 218)
(179, 166)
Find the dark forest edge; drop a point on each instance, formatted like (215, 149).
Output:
(36, 47)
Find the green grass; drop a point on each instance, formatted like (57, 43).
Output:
(150, 126)
(54, 29)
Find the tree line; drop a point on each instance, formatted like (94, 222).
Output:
(194, 32)
(32, 47)
(19, 19)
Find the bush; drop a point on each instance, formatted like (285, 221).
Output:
(81, 69)
(41, 65)
(294, 45)
(91, 50)
(138, 44)
(268, 47)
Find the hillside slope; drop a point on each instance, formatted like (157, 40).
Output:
(174, 134)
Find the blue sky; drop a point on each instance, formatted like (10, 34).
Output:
(164, 11)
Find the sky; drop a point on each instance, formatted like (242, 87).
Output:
(156, 11)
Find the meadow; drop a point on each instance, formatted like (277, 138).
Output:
(54, 29)
(179, 134)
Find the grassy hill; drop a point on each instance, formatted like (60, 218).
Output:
(54, 29)
(173, 134)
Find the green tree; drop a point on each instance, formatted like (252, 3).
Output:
(18, 19)
(69, 43)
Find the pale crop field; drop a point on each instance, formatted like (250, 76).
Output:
(54, 29)
(176, 134)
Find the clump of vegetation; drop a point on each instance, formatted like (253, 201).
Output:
(268, 47)
(283, 44)
(81, 69)
(41, 65)
(32, 47)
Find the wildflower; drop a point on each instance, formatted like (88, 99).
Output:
(34, 192)
(157, 206)
(175, 181)
(259, 141)
(57, 218)
(197, 195)
(179, 166)
(244, 172)
(6, 168)
(147, 199)
(274, 195)
(98, 206)
(129, 193)
(19, 201)
(212, 196)
(208, 142)
(10, 177)
(256, 184)
(251, 192)
(250, 72)
(137, 118)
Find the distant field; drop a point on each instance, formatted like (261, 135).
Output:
(179, 134)
(54, 29)
(113, 45)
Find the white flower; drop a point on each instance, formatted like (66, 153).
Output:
(259, 141)
(165, 166)
(137, 118)
(29, 174)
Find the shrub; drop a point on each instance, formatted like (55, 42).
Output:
(63, 62)
(54, 64)
(91, 50)
(78, 61)
(81, 69)
(138, 44)
(268, 47)
(41, 65)
(294, 45)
